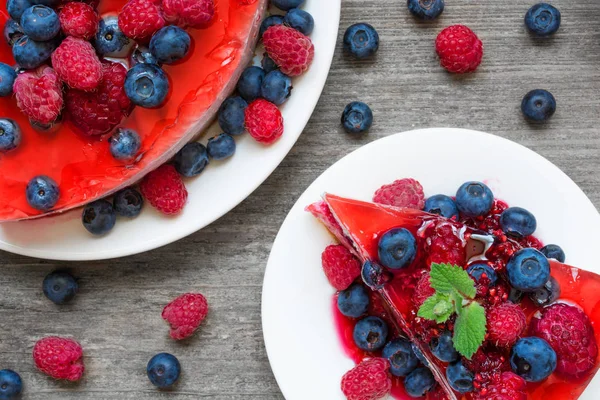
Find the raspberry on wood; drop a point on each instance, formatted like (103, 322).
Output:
(59, 358)
(459, 49)
(185, 314)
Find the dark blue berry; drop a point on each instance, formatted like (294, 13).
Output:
(276, 87)
(99, 217)
(538, 105)
(142, 55)
(231, 115)
(361, 40)
(474, 199)
(286, 5)
(354, 301)
(12, 31)
(30, 54)
(268, 64)
(221, 147)
(401, 357)
(459, 377)
(163, 370)
(42, 193)
(373, 275)
(128, 202)
(16, 8)
(170, 44)
(147, 85)
(370, 333)
(10, 135)
(554, 251)
(547, 294)
(60, 287)
(11, 385)
(397, 248)
(40, 23)
(442, 205)
(542, 19)
(442, 347)
(517, 222)
(357, 117)
(426, 9)
(49, 3)
(269, 22)
(7, 78)
(419, 382)
(110, 41)
(532, 359)
(478, 268)
(250, 83)
(191, 159)
(124, 144)
(300, 20)
(528, 270)
(515, 295)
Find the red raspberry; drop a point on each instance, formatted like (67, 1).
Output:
(93, 3)
(369, 380)
(459, 49)
(185, 314)
(77, 64)
(79, 20)
(445, 246)
(59, 358)
(340, 266)
(423, 290)
(39, 94)
(98, 112)
(164, 189)
(192, 13)
(505, 323)
(505, 386)
(264, 121)
(569, 331)
(485, 364)
(291, 50)
(139, 19)
(401, 193)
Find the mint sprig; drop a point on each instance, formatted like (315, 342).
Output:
(455, 293)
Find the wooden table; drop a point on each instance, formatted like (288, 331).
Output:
(116, 316)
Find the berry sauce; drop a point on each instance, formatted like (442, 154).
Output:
(83, 167)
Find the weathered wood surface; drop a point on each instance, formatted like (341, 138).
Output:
(117, 314)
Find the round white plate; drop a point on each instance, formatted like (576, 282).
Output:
(220, 188)
(302, 344)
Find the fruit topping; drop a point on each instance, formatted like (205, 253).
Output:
(517, 222)
(192, 13)
(42, 193)
(79, 20)
(147, 85)
(547, 294)
(474, 199)
(10, 135)
(528, 270)
(459, 377)
(139, 19)
(532, 359)
(39, 94)
(401, 193)
(170, 44)
(505, 324)
(419, 382)
(124, 144)
(401, 356)
(442, 205)
(442, 347)
(554, 251)
(370, 334)
(340, 266)
(354, 301)
(369, 380)
(397, 248)
(76, 63)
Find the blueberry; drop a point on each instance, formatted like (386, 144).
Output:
(419, 382)
(370, 333)
(478, 268)
(191, 159)
(517, 222)
(163, 370)
(142, 55)
(397, 248)
(276, 87)
(124, 144)
(10, 385)
(232, 114)
(286, 5)
(60, 287)
(128, 202)
(250, 83)
(10, 135)
(426, 9)
(515, 295)
(474, 199)
(401, 357)
(442, 347)
(547, 294)
(300, 20)
(373, 275)
(532, 359)
(538, 105)
(269, 22)
(554, 251)
(16, 8)
(99, 217)
(354, 301)
(147, 85)
(170, 44)
(12, 31)
(30, 54)
(110, 41)
(221, 147)
(7, 78)
(442, 205)
(268, 64)
(542, 19)
(357, 117)
(528, 270)
(361, 40)
(40, 23)
(49, 3)
(42, 193)
(459, 377)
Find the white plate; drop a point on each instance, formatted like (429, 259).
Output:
(219, 189)
(302, 344)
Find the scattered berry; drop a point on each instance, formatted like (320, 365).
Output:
(547, 294)
(419, 382)
(442, 205)
(142, 55)
(60, 287)
(11, 385)
(554, 251)
(397, 248)
(276, 87)
(423, 290)
(139, 19)
(30, 54)
(292, 51)
(459, 377)
(505, 324)
(170, 44)
(354, 301)
(426, 9)
(232, 114)
(76, 63)
(250, 83)
(532, 359)
(16, 8)
(474, 199)
(192, 13)
(401, 357)
(128, 202)
(10, 135)
(361, 40)
(42, 193)
(517, 222)
(163, 370)
(185, 314)
(528, 270)
(369, 380)
(542, 19)
(191, 159)
(268, 64)
(99, 217)
(164, 190)
(300, 20)
(124, 144)
(110, 41)
(459, 49)
(147, 85)
(270, 21)
(357, 117)
(59, 358)
(221, 147)
(445, 246)
(12, 32)
(40, 23)
(505, 386)
(406, 192)
(538, 105)
(79, 20)
(442, 347)
(263, 121)
(340, 266)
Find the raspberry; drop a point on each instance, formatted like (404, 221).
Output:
(59, 358)
(445, 246)
(505, 324)
(264, 121)
(340, 266)
(459, 49)
(192, 13)
(185, 314)
(79, 20)
(569, 331)
(164, 189)
(291, 50)
(77, 64)
(505, 386)
(423, 290)
(369, 380)
(485, 364)
(98, 112)
(401, 193)
(139, 19)
(39, 94)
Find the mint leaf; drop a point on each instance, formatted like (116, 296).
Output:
(436, 308)
(446, 278)
(469, 329)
